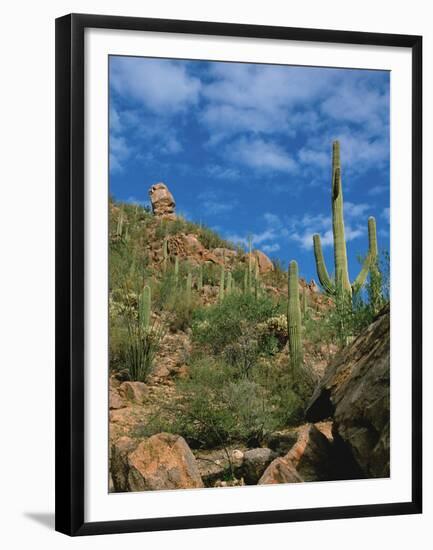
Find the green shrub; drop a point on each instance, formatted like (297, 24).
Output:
(222, 324)
(218, 406)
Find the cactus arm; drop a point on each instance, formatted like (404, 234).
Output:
(371, 258)
(294, 318)
(322, 272)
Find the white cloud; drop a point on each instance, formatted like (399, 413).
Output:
(119, 152)
(222, 172)
(260, 154)
(270, 248)
(352, 210)
(302, 230)
(163, 86)
(212, 203)
(386, 214)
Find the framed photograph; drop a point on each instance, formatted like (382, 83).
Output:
(238, 274)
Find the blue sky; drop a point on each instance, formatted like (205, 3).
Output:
(246, 148)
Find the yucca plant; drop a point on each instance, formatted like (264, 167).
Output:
(143, 337)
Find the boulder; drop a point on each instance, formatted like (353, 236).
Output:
(355, 392)
(162, 201)
(115, 401)
(265, 264)
(119, 462)
(133, 391)
(282, 441)
(163, 461)
(255, 462)
(310, 459)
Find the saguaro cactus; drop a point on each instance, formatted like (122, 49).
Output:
(200, 278)
(304, 302)
(250, 263)
(165, 254)
(188, 287)
(144, 312)
(176, 270)
(294, 318)
(120, 220)
(221, 289)
(229, 283)
(342, 280)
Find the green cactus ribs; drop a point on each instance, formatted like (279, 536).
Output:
(342, 281)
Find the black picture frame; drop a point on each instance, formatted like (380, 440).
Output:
(70, 283)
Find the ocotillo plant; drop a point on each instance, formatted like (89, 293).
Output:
(342, 280)
(188, 287)
(294, 319)
(221, 289)
(144, 312)
(245, 281)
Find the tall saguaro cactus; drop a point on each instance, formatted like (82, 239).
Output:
(294, 318)
(342, 280)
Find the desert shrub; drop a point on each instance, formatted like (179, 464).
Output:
(218, 405)
(210, 239)
(224, 323)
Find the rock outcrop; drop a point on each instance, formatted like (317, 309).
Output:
(310, 459)
(163, 461)
(355, 393)
(162, 201)
(255, 462)
(264, 263)
(132, 391)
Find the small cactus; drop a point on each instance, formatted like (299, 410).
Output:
(229, 284)
(294, 319)
(245, 281)
(304, 302)
(165, 254)
(145, 307)
(189, 287)
(176, 270)
(221, 289)
(200, 278)
(120, 220)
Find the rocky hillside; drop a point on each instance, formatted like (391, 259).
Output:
(218, 404)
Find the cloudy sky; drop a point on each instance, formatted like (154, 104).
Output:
(246, 148)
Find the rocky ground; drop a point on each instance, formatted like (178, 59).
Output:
(347, 437)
